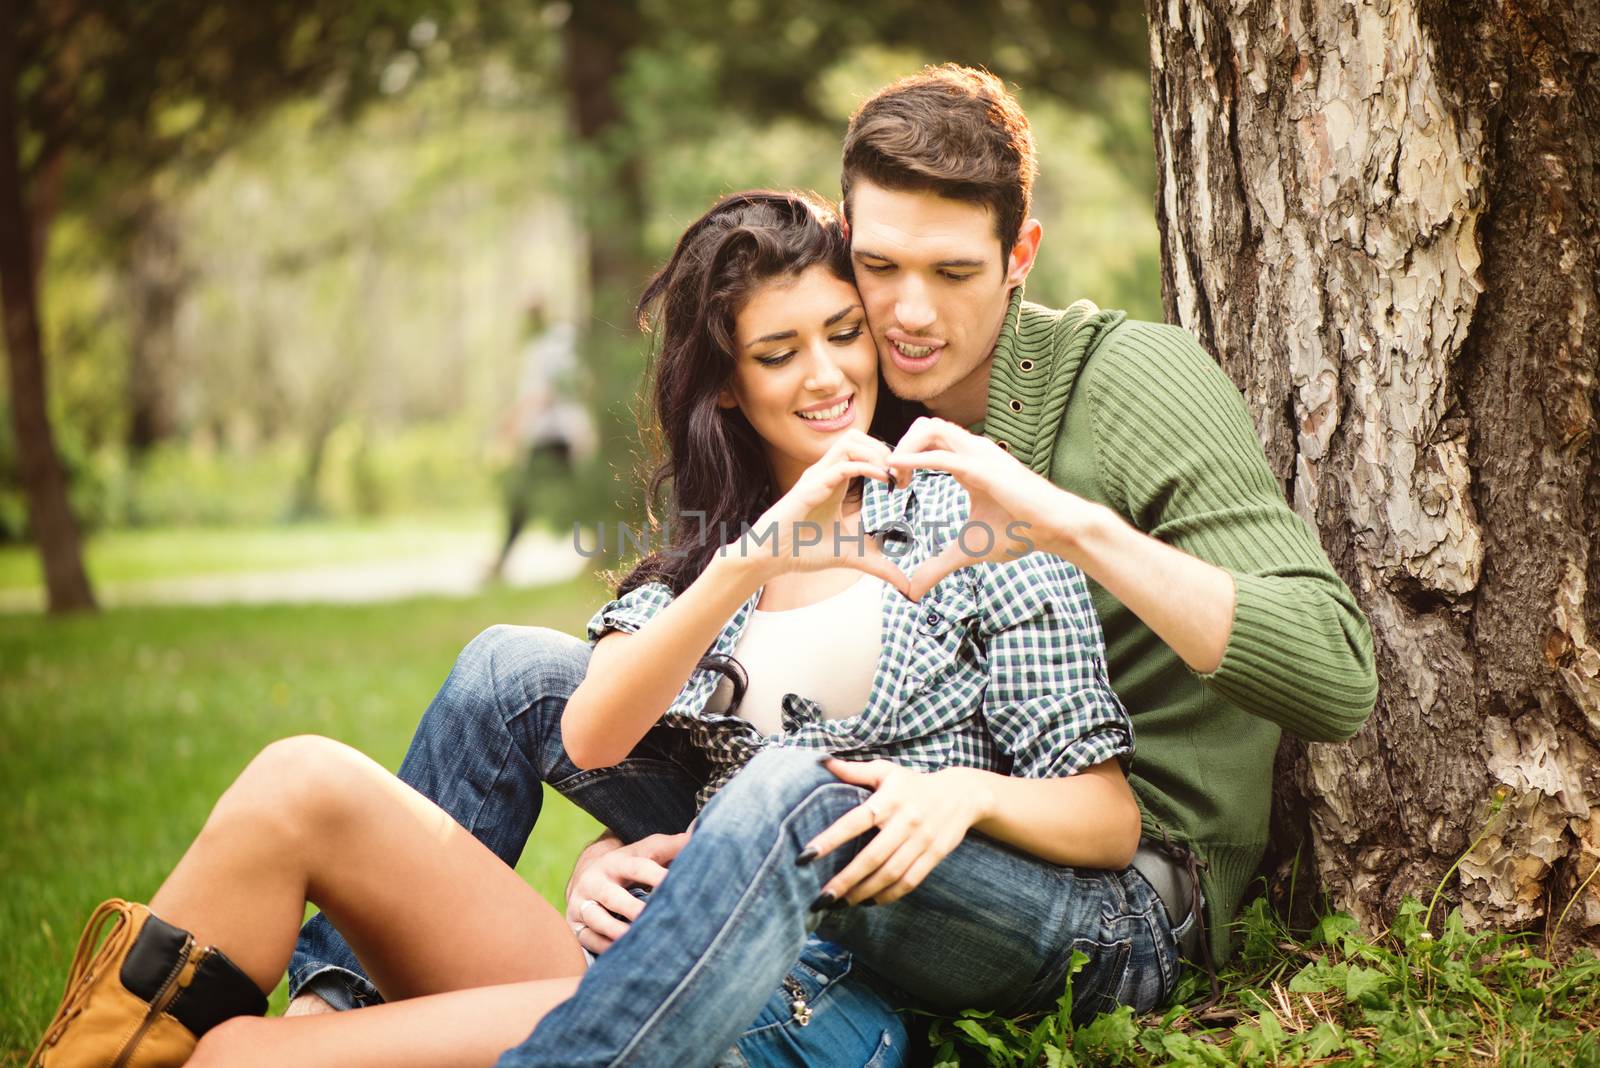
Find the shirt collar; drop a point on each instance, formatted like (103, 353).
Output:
(1036, 363)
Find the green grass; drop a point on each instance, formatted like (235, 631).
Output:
(119, 731)
(1330, 996)
(140, 554)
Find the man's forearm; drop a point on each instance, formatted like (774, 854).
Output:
(1186, 601)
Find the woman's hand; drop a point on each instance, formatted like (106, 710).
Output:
(919, 818)
(600, 907)
(1021, 510)
(804, 530)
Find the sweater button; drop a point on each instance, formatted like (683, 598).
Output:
(1016, 406)
(1004, 446)
(1025, 366)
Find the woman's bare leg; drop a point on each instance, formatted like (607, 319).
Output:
(426, 907)
(460, 1029)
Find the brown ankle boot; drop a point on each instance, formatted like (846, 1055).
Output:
(142, 998)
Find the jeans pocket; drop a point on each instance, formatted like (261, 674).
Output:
(1099, 987)
(848, 1022)
(821, 965)
(887, 1055)
(1156, 964)
(1171, 955)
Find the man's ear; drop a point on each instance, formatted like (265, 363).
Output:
(1024, 253)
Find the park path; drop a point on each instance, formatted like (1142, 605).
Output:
(454, 566)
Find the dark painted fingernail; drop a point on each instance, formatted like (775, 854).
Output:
(869, 902)
(807, 855)
(839, 904)
(892, 483)
(824, 902)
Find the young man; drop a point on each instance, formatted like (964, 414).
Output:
(1123, 445)
(1224, 622)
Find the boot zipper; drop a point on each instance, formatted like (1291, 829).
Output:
(158, 1004)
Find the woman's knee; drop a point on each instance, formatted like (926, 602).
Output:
(303, 781)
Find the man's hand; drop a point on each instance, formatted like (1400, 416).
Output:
(599, 905)
(1003, 492)
(920, 818)
(1188, 602)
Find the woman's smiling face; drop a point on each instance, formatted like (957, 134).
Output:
(805, 369)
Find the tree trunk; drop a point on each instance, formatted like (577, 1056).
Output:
(55, 531)
(1383, 219)
(305, 501)
(598, 38)
(154, 280)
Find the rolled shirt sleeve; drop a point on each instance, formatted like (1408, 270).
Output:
(631, 611)
(1049, 703)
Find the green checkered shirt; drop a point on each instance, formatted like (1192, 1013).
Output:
(1001, 666)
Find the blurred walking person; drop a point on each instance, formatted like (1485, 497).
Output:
(549, 429)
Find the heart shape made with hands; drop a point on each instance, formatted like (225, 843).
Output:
(1000, 546)
(1002, 492)
(921, 579)
(1001, 488)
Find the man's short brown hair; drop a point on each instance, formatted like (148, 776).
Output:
(951, 130)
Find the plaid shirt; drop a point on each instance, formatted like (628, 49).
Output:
(1001, 666)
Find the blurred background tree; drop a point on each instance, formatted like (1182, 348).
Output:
(95, 100)
(279, 253)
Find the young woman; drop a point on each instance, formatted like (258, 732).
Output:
(984, 707)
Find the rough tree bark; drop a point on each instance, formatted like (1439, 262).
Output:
(1383, 219)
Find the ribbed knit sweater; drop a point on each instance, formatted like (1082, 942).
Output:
(1137, 417)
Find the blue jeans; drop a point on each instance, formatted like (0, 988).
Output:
(989, 928)
(485, 744)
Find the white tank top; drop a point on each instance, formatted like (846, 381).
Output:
(827, 652)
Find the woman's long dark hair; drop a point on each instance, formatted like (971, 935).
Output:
(709, 461)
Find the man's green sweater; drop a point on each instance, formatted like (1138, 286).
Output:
(1137, 417)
